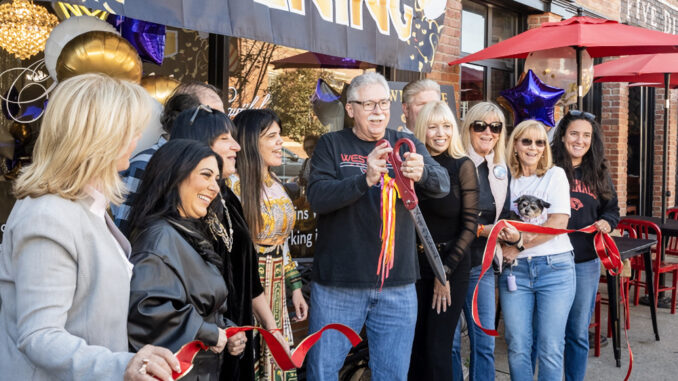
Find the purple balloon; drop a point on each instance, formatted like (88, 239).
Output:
(533, 99)
(147, 38)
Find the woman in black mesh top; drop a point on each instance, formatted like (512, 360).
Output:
(452, 222)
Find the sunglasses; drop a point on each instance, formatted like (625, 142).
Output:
(480, 126)
(541, 143)
(586, 115)
(197, 110)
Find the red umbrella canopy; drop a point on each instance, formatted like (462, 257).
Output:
(600, 37)
(640, 68)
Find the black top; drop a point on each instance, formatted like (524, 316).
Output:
(175, 297)
(246, 286)
(587, 208)
(349, 212)
(452, 219)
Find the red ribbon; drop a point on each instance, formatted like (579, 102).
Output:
(605, 247)
(187, 353)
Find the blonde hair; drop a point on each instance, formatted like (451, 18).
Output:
(439, 112)
(89, 121)
(537, 131)
(481, 111)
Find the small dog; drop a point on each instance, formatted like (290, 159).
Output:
(530, 208)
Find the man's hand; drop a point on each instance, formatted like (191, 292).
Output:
(413, 166)
(376, 163)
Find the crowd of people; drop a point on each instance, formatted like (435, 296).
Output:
(198, 239)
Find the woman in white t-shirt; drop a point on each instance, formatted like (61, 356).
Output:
(537, 285)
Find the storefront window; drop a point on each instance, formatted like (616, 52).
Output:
(482, 81)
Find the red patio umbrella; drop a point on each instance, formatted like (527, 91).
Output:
(653, 70)
(600, 38)
(312, 60)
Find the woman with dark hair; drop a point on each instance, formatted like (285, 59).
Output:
(269, 212)
(578, 149)
(246, 295)
(177, 292)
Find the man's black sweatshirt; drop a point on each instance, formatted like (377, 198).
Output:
(349, 212)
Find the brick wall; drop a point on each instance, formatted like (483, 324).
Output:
(449, 48)
(607, 8)
(614, 122)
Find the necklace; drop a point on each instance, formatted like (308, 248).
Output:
(217, 228)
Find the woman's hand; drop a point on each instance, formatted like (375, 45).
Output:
(509, 253)
(300, 306)
(509, 234)
(603, 226)
(151, 363)
(441, 296)
(236, 343)
(221, 343)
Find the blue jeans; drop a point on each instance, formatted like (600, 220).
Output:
(577, 331)
(389, 315)
(482, 345)
(544, 295)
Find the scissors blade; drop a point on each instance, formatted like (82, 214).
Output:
(429, 246)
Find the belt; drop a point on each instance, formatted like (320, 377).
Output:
(439, 246)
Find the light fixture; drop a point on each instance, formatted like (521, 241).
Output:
(24, 28)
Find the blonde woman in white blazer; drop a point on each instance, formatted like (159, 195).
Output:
(64, 273)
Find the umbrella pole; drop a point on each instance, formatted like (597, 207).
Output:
(580, 91)
(667, 103)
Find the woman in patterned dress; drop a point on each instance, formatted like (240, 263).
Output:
(270, 215)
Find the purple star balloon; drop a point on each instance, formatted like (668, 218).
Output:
(533, 99)
(147, 38)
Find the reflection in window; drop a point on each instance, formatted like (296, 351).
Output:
(473, 28)
(472, 86)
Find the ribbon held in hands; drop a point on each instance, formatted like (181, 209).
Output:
(187, 353)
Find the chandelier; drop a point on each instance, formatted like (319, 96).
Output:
(24, 28)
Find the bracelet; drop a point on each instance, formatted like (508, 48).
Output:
(480, 229)
(520, 238)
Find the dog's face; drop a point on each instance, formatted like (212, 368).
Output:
(530, 207)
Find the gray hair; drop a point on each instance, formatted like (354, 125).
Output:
(369, 78)
(415, 87)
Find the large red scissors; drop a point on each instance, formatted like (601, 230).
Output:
(406, 191)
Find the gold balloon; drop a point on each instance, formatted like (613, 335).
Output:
(160, 87)
(99, 52)
(20, 132)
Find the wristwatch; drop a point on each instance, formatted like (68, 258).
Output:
(519, 245)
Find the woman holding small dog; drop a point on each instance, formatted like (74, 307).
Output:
(537, 285)
(578, 149)
(452, 221)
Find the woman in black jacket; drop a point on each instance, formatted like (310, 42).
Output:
(178, 293)
(452, 222)
(578, 149)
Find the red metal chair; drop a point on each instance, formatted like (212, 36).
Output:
(596, 326)
(672, 243)
(649, 230)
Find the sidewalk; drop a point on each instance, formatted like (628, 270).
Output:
(652, 360)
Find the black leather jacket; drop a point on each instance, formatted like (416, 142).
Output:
(176, 297)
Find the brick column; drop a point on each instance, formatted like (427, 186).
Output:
(614, 122)
(658, 151)
(534, 21)
(449, 48)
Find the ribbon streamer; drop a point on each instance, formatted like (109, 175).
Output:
(187, 353)
(389, 193)
(605, 247)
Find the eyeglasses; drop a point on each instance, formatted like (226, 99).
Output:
(541, 143)
(384, 104)
(197, 110)
(480, 126)
(586, 115)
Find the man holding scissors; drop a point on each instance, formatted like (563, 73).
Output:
(344, 189)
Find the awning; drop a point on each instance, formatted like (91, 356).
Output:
(395, 33)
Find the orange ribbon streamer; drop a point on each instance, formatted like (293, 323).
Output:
(389, 193)
(187, 353)
(605, 247)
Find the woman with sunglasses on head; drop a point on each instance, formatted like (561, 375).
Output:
(270, 214)
(232, 238)
(452, 222)
(537, 285)
(484, 138)
(578, 149)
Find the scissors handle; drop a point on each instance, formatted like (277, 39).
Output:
(405, 185)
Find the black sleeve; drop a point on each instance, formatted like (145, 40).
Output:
(326, 192)
(609, 209)
(257, 288)
(435, 180)
(468, 186)
(160, 313)
(506, 209)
